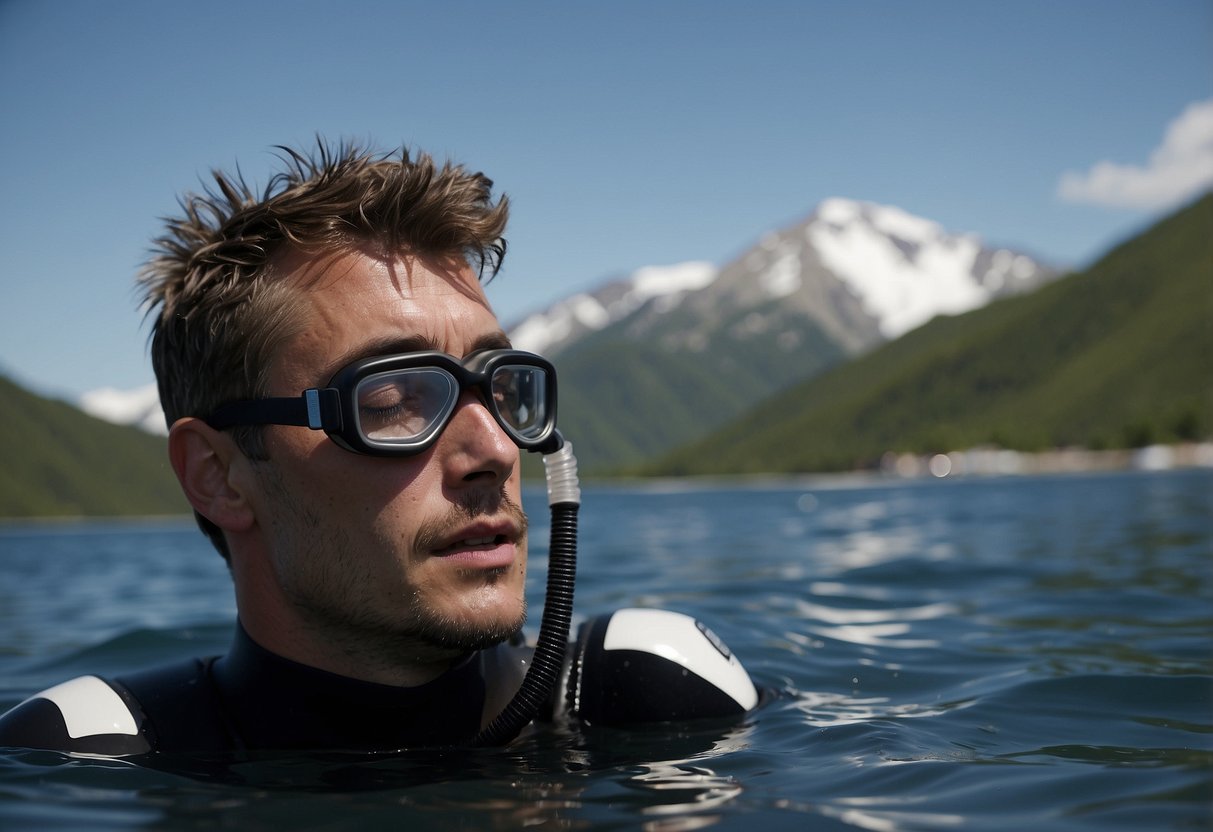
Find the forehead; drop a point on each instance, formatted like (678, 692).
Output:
(354, 304)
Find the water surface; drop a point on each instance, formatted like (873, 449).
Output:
(1000, 653)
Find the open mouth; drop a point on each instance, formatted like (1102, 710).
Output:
(472, 544)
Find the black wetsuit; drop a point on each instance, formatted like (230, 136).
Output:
(252, 699)
(627, 667)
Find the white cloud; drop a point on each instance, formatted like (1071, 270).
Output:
(1178, 169)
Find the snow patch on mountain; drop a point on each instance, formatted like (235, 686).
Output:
(581, 313)
(782, 277)
(559, 323)
(656, 281)
(904, 268)
(139, 407)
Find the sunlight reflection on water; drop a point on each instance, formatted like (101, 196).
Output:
(992, 653)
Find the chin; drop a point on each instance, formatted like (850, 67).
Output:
(475, 629)
(505, 614)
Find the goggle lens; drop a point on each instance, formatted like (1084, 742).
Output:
(404, 406)
(520, 397)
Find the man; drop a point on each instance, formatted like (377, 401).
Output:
(378, 558)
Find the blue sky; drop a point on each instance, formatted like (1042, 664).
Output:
(626, 134)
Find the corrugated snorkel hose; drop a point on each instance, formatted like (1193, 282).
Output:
(564, 498)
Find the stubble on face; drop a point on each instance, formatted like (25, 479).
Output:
(439, 629)
(333, 587)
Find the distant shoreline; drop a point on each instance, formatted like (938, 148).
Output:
(974, 463)
(999, 462)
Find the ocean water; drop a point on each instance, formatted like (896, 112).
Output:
(1002, 653)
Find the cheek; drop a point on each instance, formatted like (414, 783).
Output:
(385, 506)
(350, 485)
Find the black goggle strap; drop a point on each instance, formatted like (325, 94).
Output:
(318, 409)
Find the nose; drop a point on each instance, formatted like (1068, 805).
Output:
(475, 448)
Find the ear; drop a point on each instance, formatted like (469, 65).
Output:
(203, 459)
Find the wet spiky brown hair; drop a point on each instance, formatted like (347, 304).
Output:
(217, 313)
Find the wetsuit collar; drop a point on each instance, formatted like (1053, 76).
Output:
(275, 703)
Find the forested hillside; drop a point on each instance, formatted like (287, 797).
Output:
(59, 461)
(1120, 355)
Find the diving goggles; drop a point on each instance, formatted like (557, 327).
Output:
(397, 405)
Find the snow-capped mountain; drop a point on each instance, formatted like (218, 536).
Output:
(139, 407)
(655, 359)
(863, 273)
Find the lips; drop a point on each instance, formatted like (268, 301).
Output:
(485, 545)
(471, 543)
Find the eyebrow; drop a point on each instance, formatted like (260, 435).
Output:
(396, 345)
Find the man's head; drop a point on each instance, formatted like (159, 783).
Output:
(344, 560)
(218, 313)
